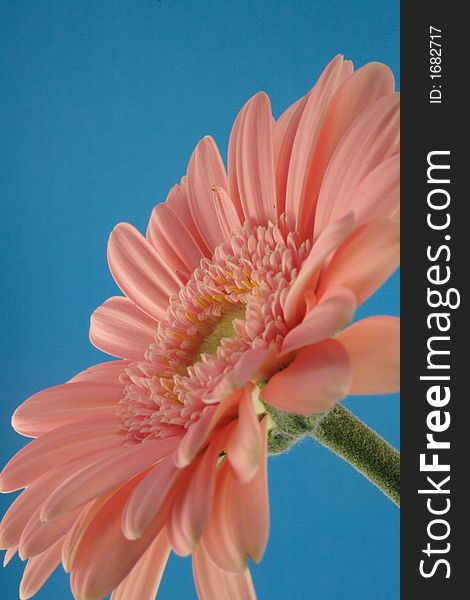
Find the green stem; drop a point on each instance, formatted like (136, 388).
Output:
(348, 437)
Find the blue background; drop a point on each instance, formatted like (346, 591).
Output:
(102, 104)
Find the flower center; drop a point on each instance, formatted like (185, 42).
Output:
(230, 304)
(223, 329)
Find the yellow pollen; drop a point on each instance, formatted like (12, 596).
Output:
(233, 289)
(219, 297)
(209, 299)
(200, 302)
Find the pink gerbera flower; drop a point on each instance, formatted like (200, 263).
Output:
(235, 306)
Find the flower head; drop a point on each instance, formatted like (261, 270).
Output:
(236, 300)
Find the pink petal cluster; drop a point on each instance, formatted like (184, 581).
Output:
(244, 276)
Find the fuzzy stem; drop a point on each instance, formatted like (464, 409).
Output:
(344, 434)
(348, 437)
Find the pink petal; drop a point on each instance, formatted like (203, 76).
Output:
(104, 557)
(120, 328)
(106, 371)
(143, 581)
(373, 347)
(178, 201)
(206, 170)
(37, 536)
(244, 445)
(148, 498)
(196, 436)
(281, 125)
(254, 364)
(373, 138)
(253, 178)
(65, 404)
(213, 582)
(192, 507)
(173, 240)
(29, 501)
(301, 191)
(357, 93)
(38, 570)
(239, 523)
(365, 260)
(9, 554)
(104, 475)
(284, 133)
(329, 240)
(198, 433)
(77, 531)
(140, 272)
(227, 215)
(377, 197)
(59, 446)
(315, 380)
(334, 311)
